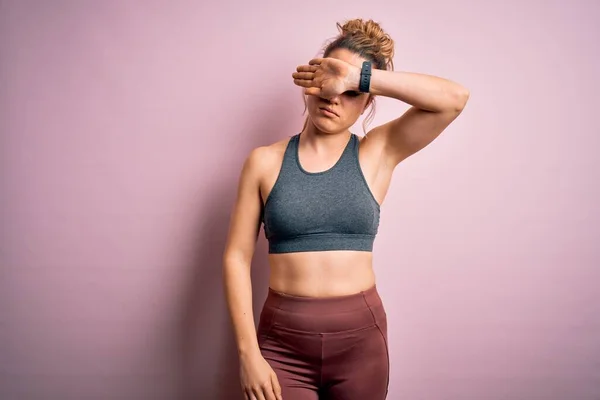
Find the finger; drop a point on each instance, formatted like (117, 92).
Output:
(246, 396)
(312, 91)
(307, 68)
(315, 61)
(269, 393)
(276, 387)
(305, 83)
(303, 75)
(259, 394)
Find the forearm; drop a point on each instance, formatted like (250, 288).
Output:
(238, 292)
(423, 91)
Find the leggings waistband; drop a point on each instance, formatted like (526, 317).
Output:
(323, 305)
(320, 315)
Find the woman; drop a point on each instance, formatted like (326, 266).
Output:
(323, 331)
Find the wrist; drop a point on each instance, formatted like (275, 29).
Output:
(353, 78)
(248, 352)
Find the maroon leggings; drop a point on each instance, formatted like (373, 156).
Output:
(326, 348)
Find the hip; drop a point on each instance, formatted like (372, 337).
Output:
(322, 315)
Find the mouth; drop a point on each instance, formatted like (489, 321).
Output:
(328, 111)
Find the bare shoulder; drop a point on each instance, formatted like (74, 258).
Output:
(267, 161)
(263, 159)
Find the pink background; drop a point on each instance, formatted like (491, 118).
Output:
(124, 126)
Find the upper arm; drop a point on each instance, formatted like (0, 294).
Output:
(411, 132)
(245, 219)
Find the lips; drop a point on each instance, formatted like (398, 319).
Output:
(330, 110)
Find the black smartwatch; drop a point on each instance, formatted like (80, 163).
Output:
(365, 77)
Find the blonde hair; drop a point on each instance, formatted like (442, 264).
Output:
(368, 40)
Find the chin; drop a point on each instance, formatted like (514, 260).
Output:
(325, 124)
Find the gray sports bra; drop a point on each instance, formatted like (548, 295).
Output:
(328, 210)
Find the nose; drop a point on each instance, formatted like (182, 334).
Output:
(333, 100)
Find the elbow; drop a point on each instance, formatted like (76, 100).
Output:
(236, 259)
(461, 97)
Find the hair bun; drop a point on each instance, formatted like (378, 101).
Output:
(371, 30)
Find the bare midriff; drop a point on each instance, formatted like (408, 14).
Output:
(321, 273)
